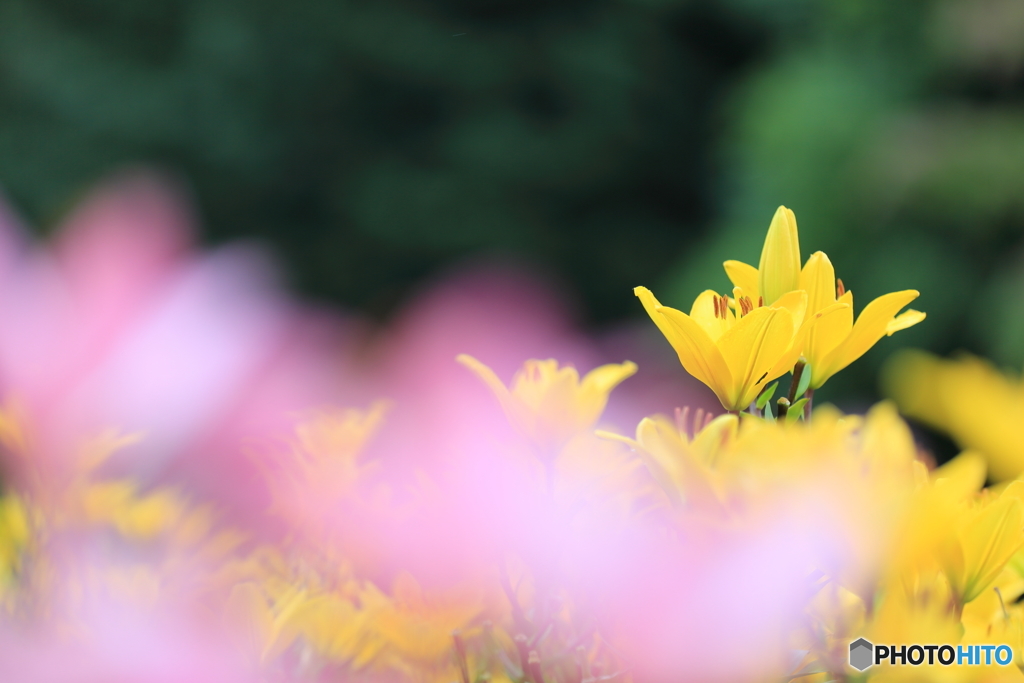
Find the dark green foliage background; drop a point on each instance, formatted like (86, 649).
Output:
(611, 142)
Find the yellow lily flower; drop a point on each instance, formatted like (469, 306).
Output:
(834, 341)
(732, 346)
(550, 405)
(988, 539)
(681, 463)
(969, 399)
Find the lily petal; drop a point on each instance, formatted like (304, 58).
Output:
(796, 304)
(744, 276)
(779, 268)
(827, 332)
(663, 449)
(907, 318)
(752, 347)
(989, 541)
(818, 279)
(871, 325)
(607, 377)
(513, 408)
(697, 353)
(707, 314)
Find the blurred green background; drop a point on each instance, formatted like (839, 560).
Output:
(610, 142)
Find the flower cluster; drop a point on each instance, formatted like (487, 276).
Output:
(779, 318)
(493, 531)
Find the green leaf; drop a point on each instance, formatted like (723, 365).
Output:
(769, 416)
(805, 382)
(796, 411)
(766, 396)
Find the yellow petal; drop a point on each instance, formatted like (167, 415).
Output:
(779, 269)
(827, 331)
(707, 314)
(744, 276)
(595, 387)
(796, 304)
(818, 279)
(720, 432)
(554, 412)
(514, 409)
(486, 374)
(698, 354)
(871, 326)
(961, 477)
(605, 378)
(989, 541)
(662, 450)
(907, 318)
(752, 348)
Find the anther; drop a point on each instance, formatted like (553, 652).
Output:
(840, 290)
(714, 300)
(698, 420)
(760, 301)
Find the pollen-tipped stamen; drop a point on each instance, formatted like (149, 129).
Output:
(681, 415)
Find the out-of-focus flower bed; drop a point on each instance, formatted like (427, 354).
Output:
(206, 481)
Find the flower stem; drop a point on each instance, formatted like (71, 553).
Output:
(798, 371)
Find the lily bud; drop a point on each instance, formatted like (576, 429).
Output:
(779, 269)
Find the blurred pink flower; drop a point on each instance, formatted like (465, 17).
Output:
(457, 501)
(113, 622)
(119, 323)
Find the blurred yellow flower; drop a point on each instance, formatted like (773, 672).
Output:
(833, 340)
(988, 537)
(407, 632)
(324, 463)
(967, 398)
(15, 535)
(732, 346)
(681, 463)
(549, 404)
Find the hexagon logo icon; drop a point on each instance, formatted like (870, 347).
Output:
(861, 654)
